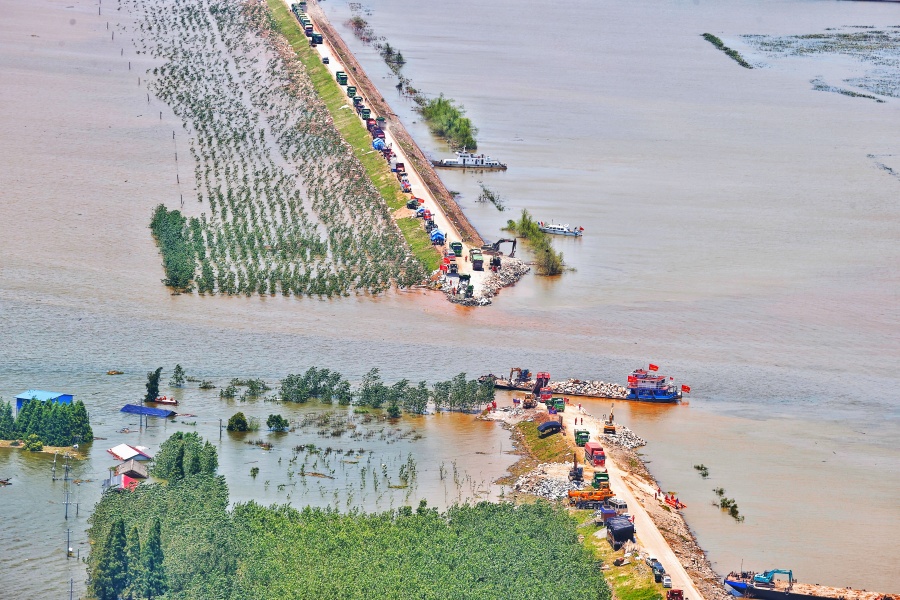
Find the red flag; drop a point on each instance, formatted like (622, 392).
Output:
(653, 367)
(686, 389)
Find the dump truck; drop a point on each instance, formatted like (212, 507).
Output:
(558, 403)
(316, 38)
(413, 203)
(675, 595)
(341, 77)
(477, 259)
(618, 531)
(600, 480)
(594, 454)
(437, 237)
(582, 437)
(457, 248)
(453, 267)
(351, 91)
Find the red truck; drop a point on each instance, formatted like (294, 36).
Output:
(594, 454)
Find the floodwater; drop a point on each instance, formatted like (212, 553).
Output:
(736, 232)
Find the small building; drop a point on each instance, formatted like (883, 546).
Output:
(41, 396)
(133, 469)
(124, 452)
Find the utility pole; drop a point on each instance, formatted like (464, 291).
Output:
(68, 543)
(55, 456)
(67, 503)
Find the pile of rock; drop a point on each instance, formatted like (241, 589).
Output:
(625, 438)
(511, 270)
(540, 483)
(577, 387)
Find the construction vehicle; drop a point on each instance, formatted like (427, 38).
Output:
(341, 77)
(316, 39)
(576, 473)
(412, 203)
(591, 498)
(546, 394)
(541, 381)
(618, 531)
(437, 237)
(600, 480)
(558, 404)
(582, 437)
(594, 454)
(495, 264)
(477, 259)
(494, 248)
(529, 401)
(675, 595)
(429, 225)
(768, 577)
(609, 425)
(453, 267)
(516, 374)
(457, 248)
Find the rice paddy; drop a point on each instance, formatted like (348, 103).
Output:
(289, 208)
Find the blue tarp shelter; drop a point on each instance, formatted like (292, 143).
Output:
(41, 396)
(146, 410)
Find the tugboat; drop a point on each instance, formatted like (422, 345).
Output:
(765, 586)
(647, 386)
(467, 160)
(560, 229)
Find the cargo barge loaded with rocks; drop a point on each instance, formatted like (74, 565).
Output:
(641, 386)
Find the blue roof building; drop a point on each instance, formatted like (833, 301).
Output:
(41, 396)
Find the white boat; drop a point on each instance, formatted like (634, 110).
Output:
(467, 160)
(560, 229)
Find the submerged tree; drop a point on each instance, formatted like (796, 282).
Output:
(178, 376)
(153, 385)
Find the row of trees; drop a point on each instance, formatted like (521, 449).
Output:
(328, 387)
(125, 568)
(170, 230)
(183, 455)
(53, 423)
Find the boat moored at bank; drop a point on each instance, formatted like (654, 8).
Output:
(468, 160)
(555, 229)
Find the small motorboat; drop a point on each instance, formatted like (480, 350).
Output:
(165, 400)
(560, 229)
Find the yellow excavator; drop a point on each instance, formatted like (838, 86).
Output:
(609, 425)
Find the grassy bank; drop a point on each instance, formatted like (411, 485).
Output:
(734, 54)
(629, 582)
(350, 127)
(535, 449)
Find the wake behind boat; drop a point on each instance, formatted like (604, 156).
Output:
(560, 229)
(467, 160)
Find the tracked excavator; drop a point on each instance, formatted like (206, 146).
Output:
(495, 247)
(609, 426)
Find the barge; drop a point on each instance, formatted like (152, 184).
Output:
(647, 386)
(766, 587)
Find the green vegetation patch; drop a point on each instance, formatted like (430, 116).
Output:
(448, 120)
(420, 242)
(206, 551)
(170, 230)
(552, 448)
(734, 54)
(46, 424)
(547, 260)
